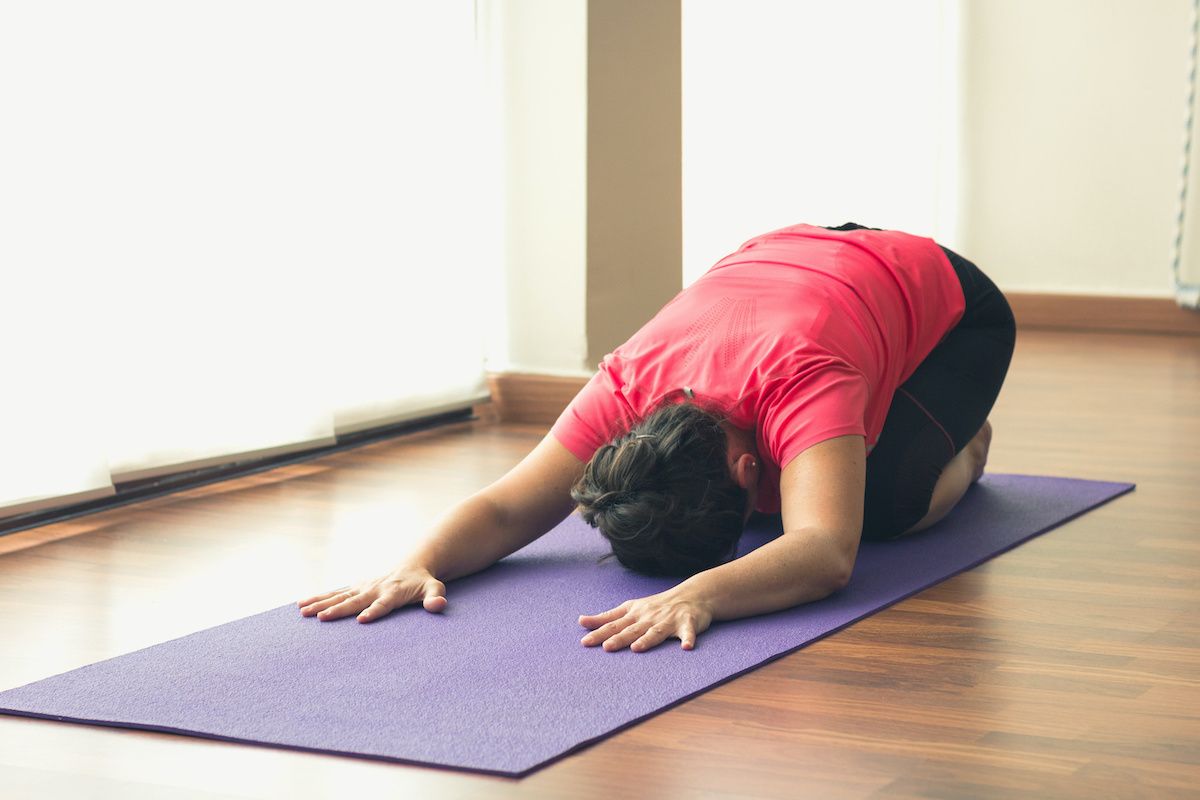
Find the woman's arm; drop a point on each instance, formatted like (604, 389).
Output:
(529, 500)
(822, 493)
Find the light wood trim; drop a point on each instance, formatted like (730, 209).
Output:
(54, 501)
(539, 399)
(146, 473)
(1102, 313)
(358, 424)
(524, 397)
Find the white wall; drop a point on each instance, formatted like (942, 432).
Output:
(1057, 172)
(1045, 145)
(540, 47)
(820, 112)
(1075, 115)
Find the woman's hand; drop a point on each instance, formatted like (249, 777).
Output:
(647, 622)
(379, 597)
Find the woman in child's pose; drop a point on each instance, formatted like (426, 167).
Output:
(841, 376)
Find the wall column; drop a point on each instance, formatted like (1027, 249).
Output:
(634, 171)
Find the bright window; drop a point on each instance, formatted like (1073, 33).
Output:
(232, 227)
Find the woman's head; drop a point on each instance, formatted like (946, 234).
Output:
(663, 494)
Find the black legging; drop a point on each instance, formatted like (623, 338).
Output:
(941, 406)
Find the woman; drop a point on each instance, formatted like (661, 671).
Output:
(840, 376)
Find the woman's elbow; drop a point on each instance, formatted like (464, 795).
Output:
(828, 564)
(836, 573)
(833, 579)
(822, 583)
(841, 577)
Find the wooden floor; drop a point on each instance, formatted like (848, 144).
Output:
(1069, 667)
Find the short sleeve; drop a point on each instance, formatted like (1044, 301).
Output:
(799, 411)
(593, 418)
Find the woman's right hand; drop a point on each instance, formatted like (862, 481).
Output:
(379, 597)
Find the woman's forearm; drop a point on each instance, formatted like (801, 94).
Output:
(796, 568)
(470, 537)
(529, 500)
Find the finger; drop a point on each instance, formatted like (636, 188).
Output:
(380, 608)
(318, 597)
(626, 637)
(351, 605)
(651, 638)
(596, 620)
(687, 635)
(321, 605)
(604, 632)
(435, 596)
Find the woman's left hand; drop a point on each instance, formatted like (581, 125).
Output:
(649, 621)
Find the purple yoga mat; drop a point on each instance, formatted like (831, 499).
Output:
(499, 682)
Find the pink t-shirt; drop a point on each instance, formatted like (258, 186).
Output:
(801, 335)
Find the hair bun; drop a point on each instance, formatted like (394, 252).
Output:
(662, 493)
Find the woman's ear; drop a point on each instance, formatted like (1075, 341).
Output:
(747, 475)
(746, 471)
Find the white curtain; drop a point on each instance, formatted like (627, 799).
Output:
(232, 228)
(818, 112)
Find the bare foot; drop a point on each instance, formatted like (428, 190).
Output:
(979, 447)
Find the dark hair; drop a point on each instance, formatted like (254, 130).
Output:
(662, 494)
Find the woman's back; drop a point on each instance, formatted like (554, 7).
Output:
(801, 335)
